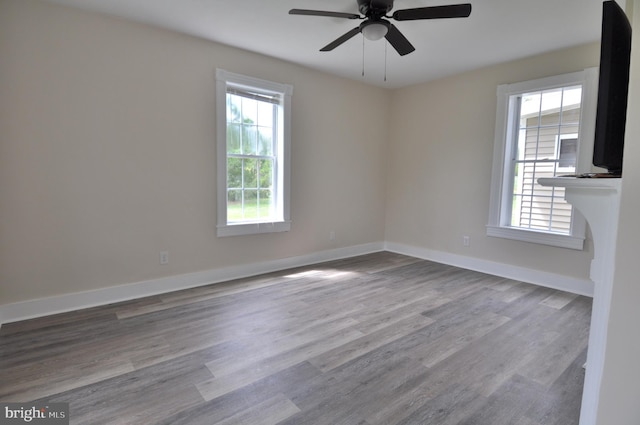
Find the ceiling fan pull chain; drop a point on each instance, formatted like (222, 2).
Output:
(363, 56)
(385, 61)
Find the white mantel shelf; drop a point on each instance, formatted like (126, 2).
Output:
(598, 199)
(579, 183)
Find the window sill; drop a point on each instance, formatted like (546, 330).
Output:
(543, 238)
(253, 228)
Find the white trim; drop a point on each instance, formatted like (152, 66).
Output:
(522, 274)
(539, 237)
(548, 83)
(79, 300)
(253, 228)
(269, 87)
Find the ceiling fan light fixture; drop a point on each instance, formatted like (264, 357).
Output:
(374, 30)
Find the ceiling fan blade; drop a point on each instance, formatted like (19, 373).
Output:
(433, 12)
(338, 41)
(398, 41)
(323, 13)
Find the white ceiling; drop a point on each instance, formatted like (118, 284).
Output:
(496, 31)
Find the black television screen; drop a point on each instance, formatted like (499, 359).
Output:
(613, 84)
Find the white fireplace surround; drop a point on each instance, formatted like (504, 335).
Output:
(598, 199)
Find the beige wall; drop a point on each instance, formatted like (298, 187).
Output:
(107, 154)
(621, 377)
(440, 159)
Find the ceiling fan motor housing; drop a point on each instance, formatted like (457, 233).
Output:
(375, 8)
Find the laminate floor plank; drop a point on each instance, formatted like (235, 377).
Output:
(521, 306)
(480, 300)
(493, 359)
(269, 412)
(152, 392)
(363, 381)
(456, 338)
(558, 299)
(403, 401)
(526, 421)
(508, 403)
(394, 299)
(32, 388)
(514, 292)
(18, 347)
(560, 404)
(573, 332)
(448, 407)
(73, 318)
(261, 350)
(372, 318)
(361, 346)
(260, 368)
(378, 339)
(57, 366)
(245, 398)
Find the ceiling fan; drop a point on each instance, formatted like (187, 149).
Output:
(375, 26)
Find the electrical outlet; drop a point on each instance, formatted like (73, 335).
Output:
(466, 241)
(332, 235)
(164, 257)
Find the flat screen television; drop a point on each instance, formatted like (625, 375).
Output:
(613, 84)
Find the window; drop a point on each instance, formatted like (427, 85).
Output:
(253, 132)
(544, 128)
(567, 152)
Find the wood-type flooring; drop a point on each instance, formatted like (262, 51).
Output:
(380, 339)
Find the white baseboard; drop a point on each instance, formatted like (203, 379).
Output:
(75, 301)
(79, 300)
(522, 274)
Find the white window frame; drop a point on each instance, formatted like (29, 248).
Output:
(282, 223)
(502, 177)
